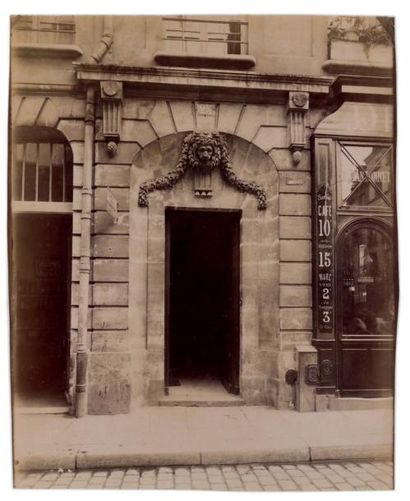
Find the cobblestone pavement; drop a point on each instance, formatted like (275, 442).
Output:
(250, 477)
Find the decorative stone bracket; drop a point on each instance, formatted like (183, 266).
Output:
(203, 152)
(111, 98)
(298, 105)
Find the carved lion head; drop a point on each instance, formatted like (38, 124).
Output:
(204, 150)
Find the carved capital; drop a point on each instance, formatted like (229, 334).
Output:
(111, 98)
(111, 89)
(298, 101)
(298, 105)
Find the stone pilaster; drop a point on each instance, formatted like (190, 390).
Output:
(111, 97)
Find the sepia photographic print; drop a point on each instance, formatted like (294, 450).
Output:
(203, 252)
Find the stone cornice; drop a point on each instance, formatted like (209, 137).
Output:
(233, 85)
(362, 89)
(84, 69)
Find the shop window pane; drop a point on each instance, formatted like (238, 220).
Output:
(234, 35)
(68, 175)
(65, 30)
(57, 176)
(22, 29)
(46, 33)
(18, 172)
(43, 184)
(56, 29)
(365, 176)
(44, 29)
(368, 305)
(43, 172)
(30, 172)
(197, 35)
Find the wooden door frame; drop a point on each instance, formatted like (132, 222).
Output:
(234, 387)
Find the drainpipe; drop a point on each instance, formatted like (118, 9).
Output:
(85, 252)
(105, 43)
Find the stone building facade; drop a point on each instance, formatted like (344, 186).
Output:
(238, 267)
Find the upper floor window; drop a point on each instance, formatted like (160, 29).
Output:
(365, 175)
(44, 29)
(205, 36)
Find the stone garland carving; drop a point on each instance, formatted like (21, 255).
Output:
(203, 152)
(164, 182)
(244, 186)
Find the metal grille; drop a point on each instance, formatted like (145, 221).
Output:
(44, 29)
(43, 172)
(191, 35)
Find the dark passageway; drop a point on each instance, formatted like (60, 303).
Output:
(203, 296)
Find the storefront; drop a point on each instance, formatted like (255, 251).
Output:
(355, 275)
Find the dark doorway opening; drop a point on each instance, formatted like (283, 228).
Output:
(202, 334)
(41, 269)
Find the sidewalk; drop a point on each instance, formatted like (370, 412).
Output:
(153, 436)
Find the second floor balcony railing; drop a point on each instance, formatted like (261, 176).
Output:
(205, 36)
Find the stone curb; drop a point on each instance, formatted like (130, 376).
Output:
(93, 460)
(46, 461)
(349, 452)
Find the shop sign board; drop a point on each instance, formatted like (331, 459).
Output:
(325, 258)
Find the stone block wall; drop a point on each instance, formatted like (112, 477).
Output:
(109, 380)
(110, 346)
(295, 265)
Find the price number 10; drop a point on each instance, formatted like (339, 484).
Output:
(324, 227)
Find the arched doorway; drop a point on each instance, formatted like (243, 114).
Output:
(366, 309)
(205, 232)
(40, 233)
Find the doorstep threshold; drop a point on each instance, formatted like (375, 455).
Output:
(190, 401)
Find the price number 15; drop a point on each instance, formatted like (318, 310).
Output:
(325, 259)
